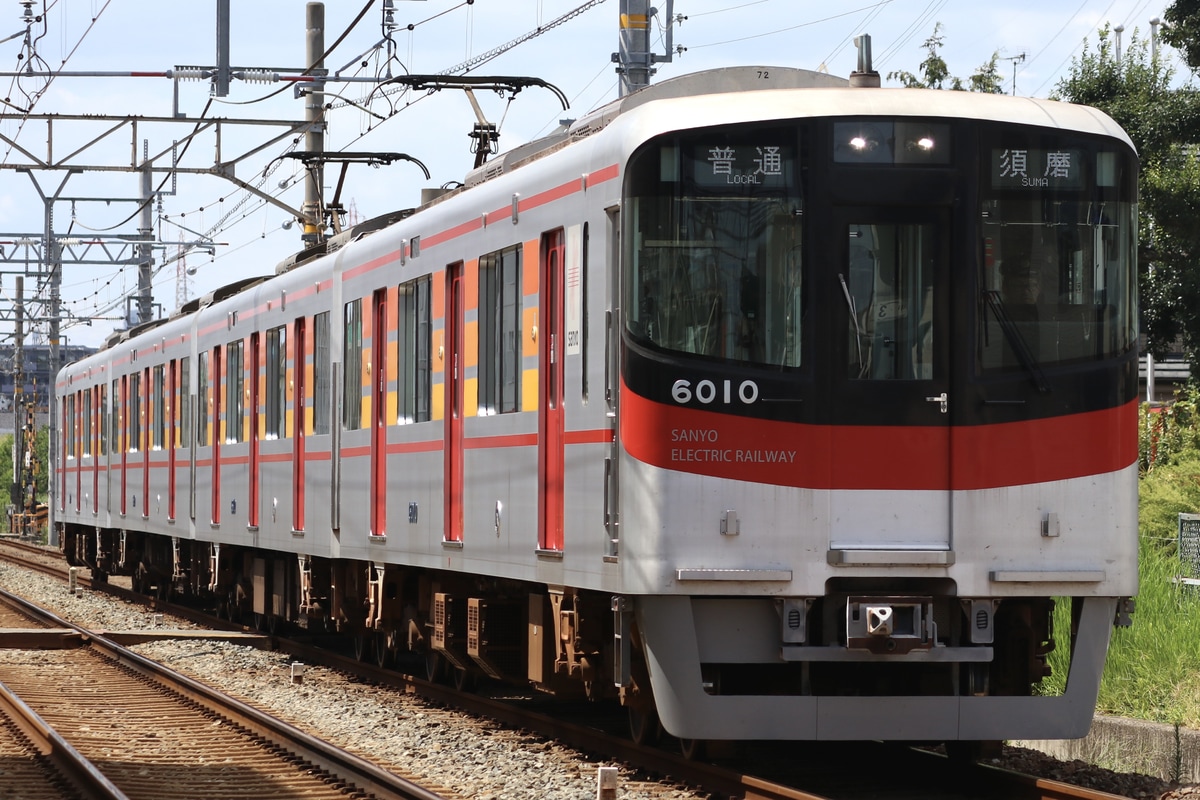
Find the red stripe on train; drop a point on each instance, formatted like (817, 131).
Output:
(878, 457)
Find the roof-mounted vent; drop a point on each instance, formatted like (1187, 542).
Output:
(865, 76)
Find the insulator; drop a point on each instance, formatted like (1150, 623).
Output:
(257, 76)
(190, 74)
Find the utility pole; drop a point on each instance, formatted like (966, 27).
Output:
(146, 248)
(635, 61)
(15, 495)
(314, 112)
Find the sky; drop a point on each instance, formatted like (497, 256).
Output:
(109, 41)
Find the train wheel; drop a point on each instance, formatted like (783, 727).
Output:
(362, 647)
(381, 650)
(464, 680)
(644, 727)
(693, 749)
(434, 665)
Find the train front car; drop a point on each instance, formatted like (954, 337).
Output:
(878, 413)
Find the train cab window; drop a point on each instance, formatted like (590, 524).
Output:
(235, 406)
(889, 290)
(352, 377)
(276, 388)
(322, 375)
(713, 263)
(413, 335)
(500, 331)
(1058, 223)
(202, 412)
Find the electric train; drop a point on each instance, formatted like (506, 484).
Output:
(769, 406)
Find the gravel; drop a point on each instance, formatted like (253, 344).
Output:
(458, 754)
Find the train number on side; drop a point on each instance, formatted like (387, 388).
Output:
(708, 392)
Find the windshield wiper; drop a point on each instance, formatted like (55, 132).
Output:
(1015, 340)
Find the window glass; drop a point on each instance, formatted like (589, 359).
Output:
(413, 335)
(205, 409)
(499, 331)
(352, 379)
(714, 246)
(276, 389)
(322, 374)
(1059, 226)
(235, 406)
(889, 285)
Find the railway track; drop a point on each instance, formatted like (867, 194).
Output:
(770, 771)
(151, 732)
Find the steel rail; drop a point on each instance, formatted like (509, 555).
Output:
(358, 771)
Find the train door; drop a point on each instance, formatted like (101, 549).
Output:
(550, 394)
(453, 418)
(255, 441)
(891, 401)
(379, 373)
(299, 384)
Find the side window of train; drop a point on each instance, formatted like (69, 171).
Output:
(202, 400)
(500, 331)
(85, 419)
(185, 403)
(276, 388)
(322, 375)
(413, 336)
(103, 420)
(235, 407)
(69, 428)
(133, 422)
(352, 377)
(115, 422)
(159, 404)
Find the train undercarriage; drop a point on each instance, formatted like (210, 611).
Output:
(568, 642)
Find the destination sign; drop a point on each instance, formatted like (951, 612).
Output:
(1027, 168)
(749, 166)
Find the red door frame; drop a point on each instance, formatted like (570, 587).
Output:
(551, 456)
(299, 399)
(97, 420)
(76, 431)
(65, 452)
(252, 514)
(172, 394)
(453, 477)
(378, 368)
(216, 386)
(145, 434)
(123, 440)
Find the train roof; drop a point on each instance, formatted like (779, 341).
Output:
(723, 96)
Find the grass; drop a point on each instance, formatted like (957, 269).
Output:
(1153, 668)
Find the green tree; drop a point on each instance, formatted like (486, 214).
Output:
(1163, 120)
(6, 469)
(935, 73)
(1182, 30)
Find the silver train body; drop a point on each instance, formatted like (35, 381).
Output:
(712, 402)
